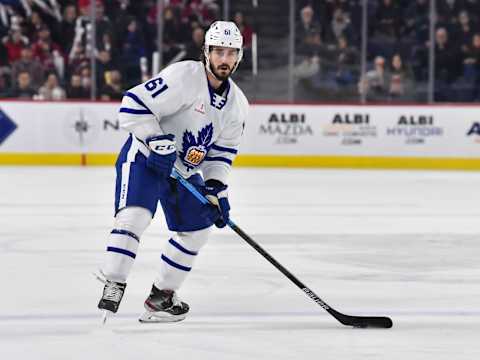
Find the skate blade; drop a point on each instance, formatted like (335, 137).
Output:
(160, 317)
(105, 315)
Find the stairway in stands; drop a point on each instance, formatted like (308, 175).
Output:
(271, 21)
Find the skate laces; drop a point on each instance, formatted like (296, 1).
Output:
(175, 300)
(112, 291)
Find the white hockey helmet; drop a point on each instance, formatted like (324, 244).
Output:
(225, 34)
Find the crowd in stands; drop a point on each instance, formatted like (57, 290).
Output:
(328, 38)
(46, 52)
(45, 47)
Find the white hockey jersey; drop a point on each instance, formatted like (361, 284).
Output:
(180, 101)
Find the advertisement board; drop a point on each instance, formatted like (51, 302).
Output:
(363, 131)
(275, 135)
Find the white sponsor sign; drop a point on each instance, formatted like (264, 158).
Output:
(66, 127)
(420, 131)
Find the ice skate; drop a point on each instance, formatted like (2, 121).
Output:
(163, 306)
(112, 296)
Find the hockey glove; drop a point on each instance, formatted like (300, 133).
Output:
(216, 193)
(162, 154)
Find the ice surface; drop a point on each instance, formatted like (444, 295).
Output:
(397, 243)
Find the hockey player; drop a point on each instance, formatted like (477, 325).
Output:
(191, 116)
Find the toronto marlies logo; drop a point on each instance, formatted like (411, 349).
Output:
(195, 149)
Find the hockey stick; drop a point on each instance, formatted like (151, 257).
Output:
(349, 320)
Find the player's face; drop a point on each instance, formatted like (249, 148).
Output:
(222, 61)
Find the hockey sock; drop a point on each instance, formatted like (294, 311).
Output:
(130, 223)
(178, 256)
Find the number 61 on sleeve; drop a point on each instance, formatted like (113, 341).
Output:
(153, 84)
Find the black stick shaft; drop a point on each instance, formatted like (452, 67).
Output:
(357, 321)
(280, 267)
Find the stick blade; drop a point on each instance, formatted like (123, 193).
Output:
(369, 322)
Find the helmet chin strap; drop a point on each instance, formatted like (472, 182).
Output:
(209, 69)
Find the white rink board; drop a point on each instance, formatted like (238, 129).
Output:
(364, 131)
(411, 131)
(63, 127)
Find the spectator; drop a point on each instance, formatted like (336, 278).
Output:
(339, 26)
(121, 10)
(83, 26)
(446, 58)
(75, 89)
(387, 20)
(23, 88)
(417, 21)
(448, 66)
(346, 58)
(400, 80)
(471, 63)
(473, 8)
(473, 53)
(463, 31)
(202, 12)
(194, 48)
(133, 48)
(245, 29)
(51, 90)
(29, 64)
(247, 33)
(33, 25)
(304, 31)
(14, 42)
(86, 80)
(104, 65)
(448, 10)
(67, 28)
(322, 10)
(174, 31)
(113, 89)
(133, 43)
(308, 68)
(107, 44)
(78, 59)
(374, 85)
(309, 64)
(49, 10)
(47, 52)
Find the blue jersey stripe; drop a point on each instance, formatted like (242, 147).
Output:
(135, 111)
(137, 100)
(174, 264)
(221, 148)
(181, 248)
(125, 232)
(219, 158)
(121, 251)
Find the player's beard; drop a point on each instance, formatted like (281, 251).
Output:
(222, 72)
